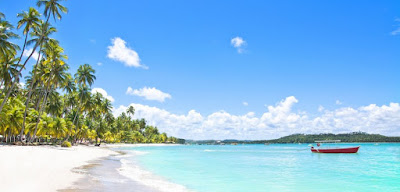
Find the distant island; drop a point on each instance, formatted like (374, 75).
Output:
(353, 137)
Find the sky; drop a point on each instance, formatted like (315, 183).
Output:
(240, 69)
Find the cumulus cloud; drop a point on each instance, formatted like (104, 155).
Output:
(238, 43)
(118, 51)
(27, 52)
(149, 93)
(279, 120)
(103, 92)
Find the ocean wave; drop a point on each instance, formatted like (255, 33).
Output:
(213, 150)
(209, 150)
(138, 152)
(136, 173)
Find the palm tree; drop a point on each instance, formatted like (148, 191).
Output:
(56, 104)
(8, 69)
(83, 77)
(130, 110)
(14, 116)
(54, 74)
(52, 7)
(59, 127)
(7, 47)
(84, 97)
(70, 102)
(42, 33)
(31, 20)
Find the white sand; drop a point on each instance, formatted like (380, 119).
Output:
(43, 168)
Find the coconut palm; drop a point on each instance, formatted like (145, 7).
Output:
(130, 110)
(7, 47)
(56, 104)
(85, 75)
(52, 7)
(59, 128)
(84, 94)
(8, 69)
(41, 33)
(14, 116)
(53, 75)
(30, 20)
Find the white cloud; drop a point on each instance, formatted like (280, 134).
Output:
(149, 93)
(245, 103)
(103, 92)
(27, 52)
(238, 43)
(338, 102)
(279, 120)
(396, 31)
(120, 52)
(99, 63)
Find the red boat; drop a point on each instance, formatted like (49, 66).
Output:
(336, 150)
(333, 150)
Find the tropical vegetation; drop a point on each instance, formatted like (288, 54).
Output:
(343, 137)
(54, 106)
(306, 138)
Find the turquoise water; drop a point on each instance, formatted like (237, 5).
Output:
(275, 167)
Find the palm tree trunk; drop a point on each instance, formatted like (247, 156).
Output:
(9, 135)
(29, 94)
(40, 114)
(23, 48)
(77, 112)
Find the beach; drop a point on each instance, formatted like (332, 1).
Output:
(44, 168)
(172, 168)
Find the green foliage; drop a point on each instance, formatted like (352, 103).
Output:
(344, 137)
(66, 144)
(55, 105)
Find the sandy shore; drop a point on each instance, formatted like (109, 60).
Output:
(44, 168)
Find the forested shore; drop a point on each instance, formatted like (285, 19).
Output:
(354, 137)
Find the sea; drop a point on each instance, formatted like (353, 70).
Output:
(257, 167)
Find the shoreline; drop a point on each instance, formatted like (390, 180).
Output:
(121, 172)
(54, 168)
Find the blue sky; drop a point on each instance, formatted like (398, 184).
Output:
(328, 55)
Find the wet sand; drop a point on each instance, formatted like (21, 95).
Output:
(102, 175)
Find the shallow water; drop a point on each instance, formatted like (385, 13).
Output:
(275, 167)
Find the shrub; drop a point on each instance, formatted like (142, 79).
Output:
(66, 144)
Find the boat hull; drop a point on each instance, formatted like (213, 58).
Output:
(336, 150)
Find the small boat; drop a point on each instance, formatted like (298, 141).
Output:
(333, 150)
(336, 150)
